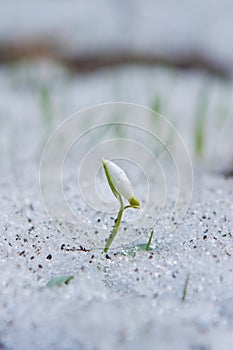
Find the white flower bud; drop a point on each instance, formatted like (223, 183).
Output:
(120, 183)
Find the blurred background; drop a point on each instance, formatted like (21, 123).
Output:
(57, 57)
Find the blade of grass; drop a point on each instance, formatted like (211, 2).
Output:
(46, 106)
(149, 241)
(185, 287)
(156, 105)
(200, 122)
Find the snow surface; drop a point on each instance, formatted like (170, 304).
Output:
(127, 302)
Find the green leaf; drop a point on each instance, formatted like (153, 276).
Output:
(59, 281)
(138, 247)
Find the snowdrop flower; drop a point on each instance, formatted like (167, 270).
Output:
(121, 187)
(119, 183)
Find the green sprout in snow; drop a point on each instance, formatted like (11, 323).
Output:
(121, 187)
(185, 287)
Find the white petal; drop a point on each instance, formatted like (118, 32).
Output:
(120, 180)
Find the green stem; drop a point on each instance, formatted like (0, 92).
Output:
(114, 231)
(116, 226)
